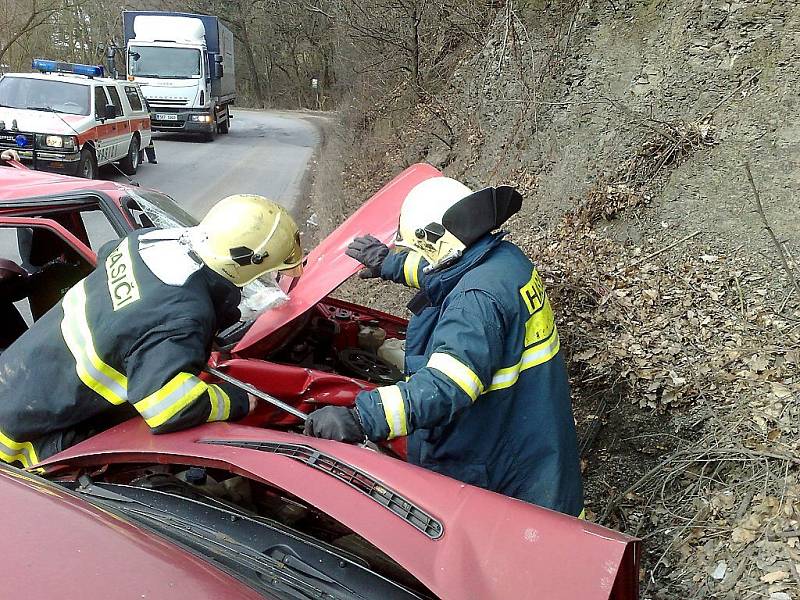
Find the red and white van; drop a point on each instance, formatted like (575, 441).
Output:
(68, 118)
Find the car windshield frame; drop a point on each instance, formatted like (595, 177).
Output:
(161, 62)
(44, 93)
(218, 532)
(161, 209)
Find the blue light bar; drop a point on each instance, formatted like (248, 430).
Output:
(53, 66)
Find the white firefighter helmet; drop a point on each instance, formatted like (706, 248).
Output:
(442, 217)
(421, 217)
(244, 236)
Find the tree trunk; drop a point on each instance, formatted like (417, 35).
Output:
(253, 65)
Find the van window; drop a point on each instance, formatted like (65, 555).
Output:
(100, 102)
(112, 91)
(133, 97)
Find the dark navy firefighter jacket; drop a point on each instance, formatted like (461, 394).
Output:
(121, 342)
(487, 399)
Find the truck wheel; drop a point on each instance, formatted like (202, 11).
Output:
(225, 126)
(130, 163)
(87, 167)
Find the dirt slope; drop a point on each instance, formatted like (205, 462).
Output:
(628, 123)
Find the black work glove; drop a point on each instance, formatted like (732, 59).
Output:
(337, 423)
(370, 252)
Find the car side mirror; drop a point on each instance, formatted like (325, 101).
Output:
(110, 111)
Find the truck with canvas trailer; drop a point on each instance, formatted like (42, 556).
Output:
(185, 66)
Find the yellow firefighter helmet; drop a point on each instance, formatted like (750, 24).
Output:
(244, 236)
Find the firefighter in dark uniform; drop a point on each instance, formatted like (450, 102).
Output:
(487, 398)
(137, 331)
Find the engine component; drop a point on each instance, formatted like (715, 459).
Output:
(371, 337)
(366, 365)
(393, 352)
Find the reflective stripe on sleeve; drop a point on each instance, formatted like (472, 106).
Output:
(411, 269)
(159, 407)
(220, 404)
(532, 357)
(92, 371)
(395, 410)
(459, 373)
(11, 451)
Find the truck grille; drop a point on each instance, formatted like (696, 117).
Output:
(156, 102)
(8, 139)
(356, 479)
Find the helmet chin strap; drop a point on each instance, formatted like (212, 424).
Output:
(447, 260)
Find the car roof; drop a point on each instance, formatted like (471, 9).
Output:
(17, 184)
(69, 78)
(84, 552)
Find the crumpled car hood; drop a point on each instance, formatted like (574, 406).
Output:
(484, 546)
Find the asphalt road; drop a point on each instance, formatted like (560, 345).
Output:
(265, 153)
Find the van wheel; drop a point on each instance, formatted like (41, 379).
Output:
(130, 163)
(87, 167)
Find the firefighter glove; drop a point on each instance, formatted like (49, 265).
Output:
(337, 423)
(370, 252)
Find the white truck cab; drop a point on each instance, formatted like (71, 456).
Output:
(68, 118)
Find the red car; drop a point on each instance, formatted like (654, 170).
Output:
(256, 509)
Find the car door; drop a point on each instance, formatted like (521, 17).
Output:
(120, 126)
(46, 260)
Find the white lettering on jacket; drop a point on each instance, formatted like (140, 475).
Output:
(121, 280)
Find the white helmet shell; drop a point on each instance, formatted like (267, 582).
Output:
(421, 215)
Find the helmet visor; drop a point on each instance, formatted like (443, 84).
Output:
(293, 264)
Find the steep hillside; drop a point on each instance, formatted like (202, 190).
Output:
(628, 125)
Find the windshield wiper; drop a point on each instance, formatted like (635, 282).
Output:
(289, 572)
(50, 109)
(281, 569)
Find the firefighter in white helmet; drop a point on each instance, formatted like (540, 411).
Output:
(132, 337)
(486, 400)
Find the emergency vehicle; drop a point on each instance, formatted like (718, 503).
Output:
(69, 118)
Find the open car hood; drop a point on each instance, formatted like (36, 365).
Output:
(460, 541)
(327, 266)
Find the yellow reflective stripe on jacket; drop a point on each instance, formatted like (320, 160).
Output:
(532, 357)
(458, 372)
(92, 371)
(411, 269)
(220, 404)
(395, 410)
(11, 451)
(582, 516)
(159, 407)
